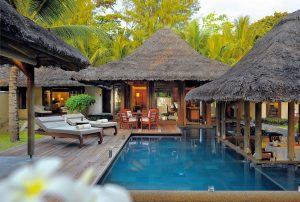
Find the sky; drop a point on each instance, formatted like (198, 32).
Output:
(256, 9)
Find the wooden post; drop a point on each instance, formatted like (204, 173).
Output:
(291, 131)
(203, 112)
(218, 122)
(299, 118)
(247, 127)
(208, 114)
(182, 108)
(113, 101)
(31, 115)
(258, 132)
(150, 95)
(223, 120)
(122, 95)
(238, 121)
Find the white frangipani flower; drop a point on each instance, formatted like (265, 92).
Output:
(32, 183)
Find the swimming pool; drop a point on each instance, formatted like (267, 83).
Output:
(193, 161)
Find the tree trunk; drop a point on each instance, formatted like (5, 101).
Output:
(13, 108)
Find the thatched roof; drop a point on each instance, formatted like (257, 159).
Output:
(44, 77)
(269, 72)
(165, 56)
(22, 36)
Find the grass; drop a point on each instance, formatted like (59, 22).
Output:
(5, 142)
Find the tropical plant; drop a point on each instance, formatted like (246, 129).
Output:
(144, 17)
(80, 103)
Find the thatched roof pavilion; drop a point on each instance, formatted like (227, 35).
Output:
(44, 77)
(165, 56)
(33, 43)
(27, 45)
(269, 72)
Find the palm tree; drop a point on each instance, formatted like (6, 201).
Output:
(13, 121)
(59, 17)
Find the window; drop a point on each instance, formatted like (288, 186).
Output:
(274, 109)
(22, 98)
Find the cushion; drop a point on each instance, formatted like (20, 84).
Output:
(129, 114)
(145, 119)
(73, 121)
(74, 131)
(133, 119)
(103, 125)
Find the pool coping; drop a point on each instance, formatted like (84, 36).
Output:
(206, 196)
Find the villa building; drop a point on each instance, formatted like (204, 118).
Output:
(53, 86)
(158, 74)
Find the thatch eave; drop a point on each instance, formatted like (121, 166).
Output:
(269, 72)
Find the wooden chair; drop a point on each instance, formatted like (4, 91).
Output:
(151, 118)
(127, 118)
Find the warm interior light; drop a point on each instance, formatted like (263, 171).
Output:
(62, 99)
(137, 94)
(53, 98)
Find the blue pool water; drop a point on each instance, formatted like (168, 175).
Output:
(192, 161)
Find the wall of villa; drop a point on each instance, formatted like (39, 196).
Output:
(3, 110)
(97, 93)
(37, 99)
(284, 110)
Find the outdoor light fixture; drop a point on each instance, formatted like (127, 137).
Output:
(211, 188)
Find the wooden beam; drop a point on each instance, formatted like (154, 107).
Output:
(247, 149)
(223, 120)
(17, 56)
(208, 114)
(238, 121)
(203, 111)
(30, 108)
(258, 131)
(291, 131)
(122, 95)
(182, 104)
(299, 119)
(150, 98)
(218, 121)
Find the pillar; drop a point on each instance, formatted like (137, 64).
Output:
(247, 127)
(238, 121)
(218, 122)
(223, 120)
(258, 131)
(291, 130)
(150, 95)
(208, 114)
(122, 95)
(203, 112)
(30, 112)
(182, 104)
(299, 119)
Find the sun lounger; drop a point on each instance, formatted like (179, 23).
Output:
(56, 126)
(75, 119)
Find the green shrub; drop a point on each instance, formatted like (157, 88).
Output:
(80, 103)
(275, 121)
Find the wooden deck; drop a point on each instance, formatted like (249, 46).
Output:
(75, 159)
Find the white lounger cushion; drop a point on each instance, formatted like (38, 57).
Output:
(73, 130)
(103, 125)
(58, 125)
